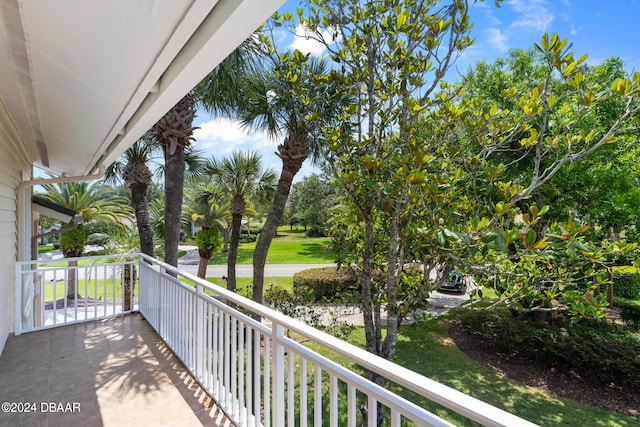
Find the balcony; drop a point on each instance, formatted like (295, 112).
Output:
(255, 371)
(115, 372)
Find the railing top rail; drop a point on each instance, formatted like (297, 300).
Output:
(463, 404)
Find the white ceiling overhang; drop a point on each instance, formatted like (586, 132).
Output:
(82, 80)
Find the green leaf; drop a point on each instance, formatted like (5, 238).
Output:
(541, 244)
(401, 19)
(500, 242)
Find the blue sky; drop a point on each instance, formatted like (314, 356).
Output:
(600, 28)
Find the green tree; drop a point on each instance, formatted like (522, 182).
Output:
(512, 152)
(94, 202)
(241, 177)
(292, 98)
(392, 56)
(309, 202)
(424, 166)
(210, 211)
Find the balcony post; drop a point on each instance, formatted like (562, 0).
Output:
(277, 380)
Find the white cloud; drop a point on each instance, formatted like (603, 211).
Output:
(533, 14)
(222, 135)
(498, 39)
(306, 44)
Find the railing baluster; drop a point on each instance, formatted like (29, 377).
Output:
(291, 388)
(234, 367)
(317, 396)
(303, 391)
(333, 401)
(242, 416)
(227, 361)
(351, 406)
(216, 354)
(256, 376)
(250, 383)
(372, 411)
(267, 381)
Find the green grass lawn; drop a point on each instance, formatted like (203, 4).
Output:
(427, 349)
(63, 263)
(94, 289)
(289, 247)
(45, 248)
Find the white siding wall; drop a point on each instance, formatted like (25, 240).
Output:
(12, 167)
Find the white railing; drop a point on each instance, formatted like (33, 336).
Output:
(262, 377)
(44, 299)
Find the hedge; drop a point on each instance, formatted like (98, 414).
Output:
(599, 350)
(626, 285)
(327, 284)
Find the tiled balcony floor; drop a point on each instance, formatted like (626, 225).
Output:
(118, 370)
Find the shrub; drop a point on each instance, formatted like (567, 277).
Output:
(629, 313)
(316, 231)
(609, 353)
(327, 284)
(626, 285)
(299, 304)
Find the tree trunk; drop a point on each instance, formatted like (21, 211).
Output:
(141, 207)
(128, 286)
(174, 131)
(173, 192)
(293, 152)
(236, 223)
(395, 266)
(225, 243)
(203, 263)
(371, 327)
(72, 280)
(610, 286)
(270, 229)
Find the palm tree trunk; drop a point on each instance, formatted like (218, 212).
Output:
(174, 132)
(270, 229)
(72, 280)
(173, 191)
(128, 287)
(141, 207)
(203, 263)
(236, 223)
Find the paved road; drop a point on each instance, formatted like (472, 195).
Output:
(189, 263)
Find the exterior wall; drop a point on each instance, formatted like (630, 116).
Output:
(12, 168)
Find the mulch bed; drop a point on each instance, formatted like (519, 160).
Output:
(568, 385)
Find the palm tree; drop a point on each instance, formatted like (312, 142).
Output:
(218, 93)
(94, 202)
(210, 212)
(126, 241)
(241, 177)
(133, 168)
(174, 132)
(294, 99)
